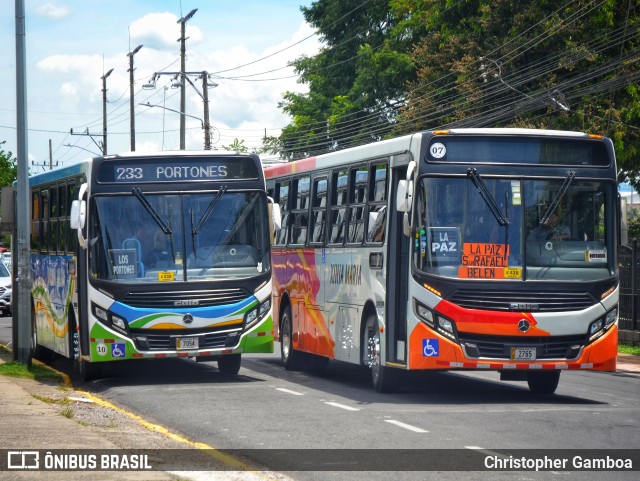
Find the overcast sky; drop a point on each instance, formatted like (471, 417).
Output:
(72, 43)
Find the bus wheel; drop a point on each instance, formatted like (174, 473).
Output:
(229, 365)
(38, 351)
(383, 378)
(543, 382)
(291, 359)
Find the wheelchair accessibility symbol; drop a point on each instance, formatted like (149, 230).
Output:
(117, 350)
(430, 348)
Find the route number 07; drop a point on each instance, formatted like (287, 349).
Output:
(438, 150)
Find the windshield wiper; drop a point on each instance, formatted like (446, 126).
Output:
(155, 215)
(560, 194)
(205, 216)
(207, 213)
(473, 174)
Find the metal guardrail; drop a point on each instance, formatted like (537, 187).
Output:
(628, 260)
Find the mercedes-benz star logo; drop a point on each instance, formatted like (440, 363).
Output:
(187, 319)
(523, 325)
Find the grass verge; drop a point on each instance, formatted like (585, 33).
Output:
(627, 349)
(17, 369)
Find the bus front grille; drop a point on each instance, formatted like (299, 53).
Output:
(522, 301)
(172, 299)
(149, 340)
(499, 347)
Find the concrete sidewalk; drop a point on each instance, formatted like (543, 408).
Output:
(49, 416)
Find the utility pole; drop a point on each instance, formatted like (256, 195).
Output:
(183, 21)
(104, 112)
(205, 99)
(131, 104)
(22, 295)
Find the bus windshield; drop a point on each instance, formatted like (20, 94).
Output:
(178, 237)
(514, 229)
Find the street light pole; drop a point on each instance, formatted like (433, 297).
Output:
(183, 21)
(131, 104)
(104, 112)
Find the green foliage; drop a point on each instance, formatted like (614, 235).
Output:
(236, 146)
(634, 229)
(355, 81)
(392, 67)
(8, 167)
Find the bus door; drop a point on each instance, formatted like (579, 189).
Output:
(397, 277)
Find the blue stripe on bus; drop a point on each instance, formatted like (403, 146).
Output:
(211, 312)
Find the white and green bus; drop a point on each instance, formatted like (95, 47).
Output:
(157, 255)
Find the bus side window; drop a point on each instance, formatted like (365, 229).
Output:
(44, 220)
(300, 211)
(357, 204)
(338, 206)
(35, 220)
(53, 219)
(282, 198)
(377, 204)
(318, 210)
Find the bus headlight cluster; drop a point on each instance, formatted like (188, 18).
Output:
(110, 319)
(257, 313)
(437, 322)
(598, 327)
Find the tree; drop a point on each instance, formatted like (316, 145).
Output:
(236, 146)
(399, 66)
(8, 167)
(492, 63)
(355, 82)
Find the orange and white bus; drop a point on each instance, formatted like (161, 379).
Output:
(462, 249)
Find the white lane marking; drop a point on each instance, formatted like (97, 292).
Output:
(486, 451)
(289, 391)
(406, 426)
(341, 406)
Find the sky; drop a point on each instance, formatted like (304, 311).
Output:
(71, 44)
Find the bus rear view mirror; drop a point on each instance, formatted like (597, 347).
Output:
(276, 219)
(78, 214)
(404, 196)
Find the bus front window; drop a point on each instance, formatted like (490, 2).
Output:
(493, 228)
(178, 237)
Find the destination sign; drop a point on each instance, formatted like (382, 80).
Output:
(160, 169)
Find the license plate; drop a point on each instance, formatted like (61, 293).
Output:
(186, 343)
(523, 353)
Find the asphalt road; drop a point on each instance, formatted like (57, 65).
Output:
(267, 407)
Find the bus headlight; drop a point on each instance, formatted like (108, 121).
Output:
(611, 317)
(110, 319)
(118, 322)
(257, 313)
(424, 313)
(446, 327)
(596, 329)
(264, 307)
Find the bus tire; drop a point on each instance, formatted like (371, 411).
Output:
(229, 365)
(543, 382)
(291, 359)
(37, 351)
(384, 379)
